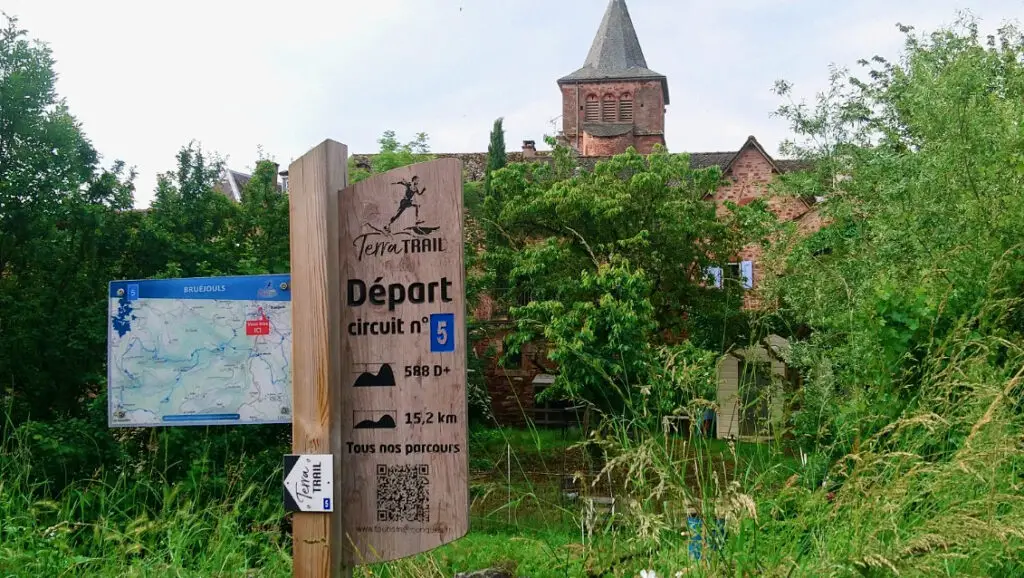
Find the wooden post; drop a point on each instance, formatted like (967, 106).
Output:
(315, 182)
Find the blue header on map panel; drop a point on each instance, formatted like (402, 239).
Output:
(242, 288)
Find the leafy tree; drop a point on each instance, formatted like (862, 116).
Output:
(62, 233)
(496, 159)
(263, 233)
(44, 157)
(921, 172)
(392, 155)
(196, 223)
(612, 261)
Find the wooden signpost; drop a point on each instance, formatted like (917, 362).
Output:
(379, 362)
(405, 481)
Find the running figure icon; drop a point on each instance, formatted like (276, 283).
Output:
(412, 189)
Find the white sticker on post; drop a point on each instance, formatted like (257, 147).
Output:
(308, 483)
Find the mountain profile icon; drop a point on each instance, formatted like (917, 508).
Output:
(385, 422)
(383, 378)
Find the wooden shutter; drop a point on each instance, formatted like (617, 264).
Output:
(747, 272)
(626, 108)
(608, 112)
(716, 276)
(593, 110)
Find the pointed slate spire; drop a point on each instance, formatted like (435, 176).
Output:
(616, 47)
(615, 53)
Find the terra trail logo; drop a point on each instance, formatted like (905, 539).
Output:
(398, 236)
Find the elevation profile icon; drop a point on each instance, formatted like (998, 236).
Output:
(370, 419)
(385, 377)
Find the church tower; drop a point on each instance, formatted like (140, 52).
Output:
(614, 101)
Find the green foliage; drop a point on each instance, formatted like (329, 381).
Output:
(263, 231)
(392, 155)
(612, 261)
(920, 170)
(496, 157)
(473, 197)
(604, 347)
(193, 222)
(60, 215)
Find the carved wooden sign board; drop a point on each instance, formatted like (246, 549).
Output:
(403, 414)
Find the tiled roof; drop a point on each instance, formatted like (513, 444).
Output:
(241, 179)
(233, 182)
(714, 159)
(607, 130)
(616, 53)
(724, 159)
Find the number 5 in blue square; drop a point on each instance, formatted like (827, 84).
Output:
(442, 332)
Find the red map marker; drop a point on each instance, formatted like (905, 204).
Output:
(259, 326)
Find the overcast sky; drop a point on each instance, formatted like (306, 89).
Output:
(146, 77)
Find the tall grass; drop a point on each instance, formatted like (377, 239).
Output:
(937, 491)
(132, 521)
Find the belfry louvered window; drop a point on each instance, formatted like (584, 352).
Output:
(608, 112)
(593, 110)
(626, 108)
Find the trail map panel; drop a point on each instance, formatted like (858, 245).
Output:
(200, 351)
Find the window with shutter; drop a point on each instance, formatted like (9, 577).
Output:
(593, 109)
(747, 274)
(715, 274)
(626, 108)
(608, 112)
(732, 271)
(742, 273)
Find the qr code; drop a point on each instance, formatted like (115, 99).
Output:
(402, 493)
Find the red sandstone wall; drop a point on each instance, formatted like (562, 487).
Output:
(593, 146)
(749, 175)
(572, 111)
(748, 178)
(645, 144)
(811, 221)
(605, 146)
(511, 388)
(648, 105)
(649, 110)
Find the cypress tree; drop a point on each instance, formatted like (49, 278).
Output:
(492, 204)
(495, 154)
